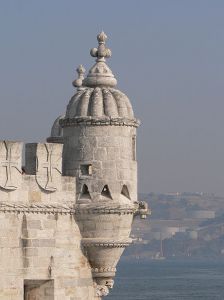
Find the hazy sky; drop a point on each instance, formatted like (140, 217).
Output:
(168, 57)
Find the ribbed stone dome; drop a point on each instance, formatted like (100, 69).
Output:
(56, 131)
(99, 102)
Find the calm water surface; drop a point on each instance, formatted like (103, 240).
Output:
(169, 280)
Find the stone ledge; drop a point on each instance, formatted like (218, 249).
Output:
(104, 209)
(107, 121)
(104, 269)
(36, 209)
(86, 242)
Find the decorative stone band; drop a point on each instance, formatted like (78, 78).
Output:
(107, 121)
(36, 209)
(89, 242)
(58, 209)
(104, 269)
(90, 209)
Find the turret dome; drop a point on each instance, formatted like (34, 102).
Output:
(56, 131)
(96, 98)
(100, 102)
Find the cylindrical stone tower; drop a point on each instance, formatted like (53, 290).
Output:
(99, 132)
(99, 136)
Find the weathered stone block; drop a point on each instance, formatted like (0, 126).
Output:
(10, 165)
(113, 153)
(100, 154)
(108, 165)
(34, 224)
(45, 161)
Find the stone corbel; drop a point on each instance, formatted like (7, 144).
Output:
(101, 290)
(142, 209)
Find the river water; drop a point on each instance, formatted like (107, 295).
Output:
(169, 280)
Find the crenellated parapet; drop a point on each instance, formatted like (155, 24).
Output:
(10, 165)
(45, 162)
(32, 187)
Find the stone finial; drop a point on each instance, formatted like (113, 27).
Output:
(102, 37)
(100, 74)
(102, 51)
(81, 71)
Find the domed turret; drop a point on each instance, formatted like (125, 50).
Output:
(99, 136)
(97, 99)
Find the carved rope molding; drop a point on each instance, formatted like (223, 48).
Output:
(53, 209)
(104, 269)
(105, 243)
(88, 121)
(36, 209)
(106, 210)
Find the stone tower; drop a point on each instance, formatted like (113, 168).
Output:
(99, 136)
(66, 215)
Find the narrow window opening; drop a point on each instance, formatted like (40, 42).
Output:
(125, 191)
(106, 192)
(134, 147)
(85, 192)
(86, 170)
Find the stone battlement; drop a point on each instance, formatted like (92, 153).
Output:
(40, 180)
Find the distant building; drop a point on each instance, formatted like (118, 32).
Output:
(202, 214)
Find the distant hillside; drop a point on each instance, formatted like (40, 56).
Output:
(181, 225)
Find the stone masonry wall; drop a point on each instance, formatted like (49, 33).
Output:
(39, 238)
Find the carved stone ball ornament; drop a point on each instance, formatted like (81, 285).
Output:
(100, 74)
(81, 71)
(102, 51)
